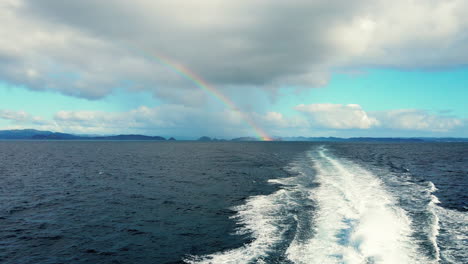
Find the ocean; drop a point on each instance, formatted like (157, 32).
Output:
(233, 202)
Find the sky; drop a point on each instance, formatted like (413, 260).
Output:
(223, 68)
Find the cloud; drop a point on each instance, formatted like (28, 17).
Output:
(190, 122)
(352, 116)
(21, 117)
(18, 116)
(408, 34)
(168, 119)
(142, 119)
(413, 119)
(89, 48)
(338, 116)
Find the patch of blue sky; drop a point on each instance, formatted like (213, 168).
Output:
(47, 103)
(386, 89)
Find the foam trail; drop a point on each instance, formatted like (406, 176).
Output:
(262, 218)
(358, 221)
(435, 219)
(453, 235)
(335, 211)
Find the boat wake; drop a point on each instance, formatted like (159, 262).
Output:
(335, 211)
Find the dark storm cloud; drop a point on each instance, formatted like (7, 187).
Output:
(88, 48)
(252, 43)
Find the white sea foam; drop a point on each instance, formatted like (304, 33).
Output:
(454, 233)
(355, 218)
(435, 227)
(358, 221)
(263, 217)
(445, 229)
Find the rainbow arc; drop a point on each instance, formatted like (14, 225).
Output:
(189, 75)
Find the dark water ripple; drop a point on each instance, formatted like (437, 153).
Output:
(128, 202)
(163, 202)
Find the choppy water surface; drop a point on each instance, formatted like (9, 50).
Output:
(254, 202)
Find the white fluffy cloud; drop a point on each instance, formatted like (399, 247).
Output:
(338, 116)
(18, 116)
(278, 120)
(406, 34)
(161, 120)
(352, 116)
(413, 119)
(177, 120)
(88, 48)
(21, 117)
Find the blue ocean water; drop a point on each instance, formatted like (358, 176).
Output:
(233, 202)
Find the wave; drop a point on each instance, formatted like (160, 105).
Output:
(435, 227)
(337, 211)
(358, 220)
(269, 220)
(263, 218)
(454, 234)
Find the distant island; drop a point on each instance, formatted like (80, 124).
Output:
(32, 134)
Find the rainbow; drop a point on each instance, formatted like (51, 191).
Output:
(189, 75)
